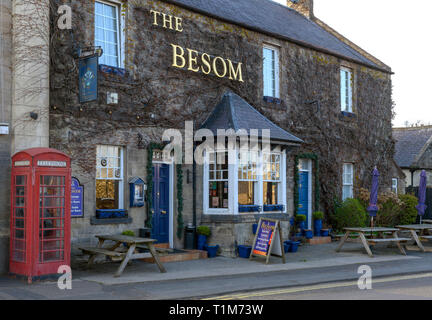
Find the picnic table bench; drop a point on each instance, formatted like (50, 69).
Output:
(418, 228)
(367, 241)
(132, 243)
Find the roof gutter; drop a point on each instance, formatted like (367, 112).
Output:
(275, 35)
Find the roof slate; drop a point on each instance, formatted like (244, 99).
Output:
(409, 144)
(270, 17)
(233, 112)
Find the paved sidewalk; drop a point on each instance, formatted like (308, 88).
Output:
(143, 280)
(307, 257)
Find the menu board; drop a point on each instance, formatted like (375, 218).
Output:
(77, 197)
(268, 240)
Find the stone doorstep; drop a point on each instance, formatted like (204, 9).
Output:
(178, 257)
(319, 240)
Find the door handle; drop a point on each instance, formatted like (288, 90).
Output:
(163, 212)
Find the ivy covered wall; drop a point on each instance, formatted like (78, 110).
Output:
(153, 95)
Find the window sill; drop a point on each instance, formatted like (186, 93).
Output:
(121, 72)
(96, 221)
(274, 102)
(348, 114)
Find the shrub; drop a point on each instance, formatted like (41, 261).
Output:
(128, 233)
(408, 214)
(349, 214)
(389, 210)
(318, 215)
(204, 231)
(300, 218)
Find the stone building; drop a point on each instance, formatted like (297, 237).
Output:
(5, 138)
(413, 153)
(220, 64)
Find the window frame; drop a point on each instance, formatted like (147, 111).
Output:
(121, 204)
(344, 184)
(121, 31)
(276, 89)
(393, 185)
(233, 179)
(350, 107)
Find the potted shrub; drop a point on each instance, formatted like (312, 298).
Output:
(308, 234)
(300, 220)
(318, 217)
(203, 233)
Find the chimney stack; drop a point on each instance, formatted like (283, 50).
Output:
(305, 7)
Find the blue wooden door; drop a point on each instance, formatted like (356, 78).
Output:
(304, 196)
(161, 214)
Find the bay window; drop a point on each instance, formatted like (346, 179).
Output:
(271, 178)
(247, 178)
(218, 180)
(252, 182)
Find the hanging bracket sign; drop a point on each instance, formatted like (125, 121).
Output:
(268, 240)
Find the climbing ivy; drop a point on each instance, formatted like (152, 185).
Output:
(314, 157)
(180, 224)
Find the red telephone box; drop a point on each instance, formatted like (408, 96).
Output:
(40, 212)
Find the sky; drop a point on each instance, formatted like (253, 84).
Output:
(399, 34)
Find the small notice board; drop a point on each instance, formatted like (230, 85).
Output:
(268, 240)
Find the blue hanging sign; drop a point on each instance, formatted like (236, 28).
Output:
(77, 197)
(88, 78)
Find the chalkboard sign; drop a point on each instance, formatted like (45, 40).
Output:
(268, 240)
(77, 197)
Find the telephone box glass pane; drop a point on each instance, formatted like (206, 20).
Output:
(18, 220)
(51, 218)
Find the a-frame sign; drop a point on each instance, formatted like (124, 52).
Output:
(268, 240)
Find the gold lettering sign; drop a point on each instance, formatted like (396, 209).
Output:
(203, 62)
(191, 59)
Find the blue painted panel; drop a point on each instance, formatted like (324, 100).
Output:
(160, 230)
(304, 196)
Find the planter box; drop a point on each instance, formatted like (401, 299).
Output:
(249, 209)
(244, 251)
(274, 207)
(110, 213)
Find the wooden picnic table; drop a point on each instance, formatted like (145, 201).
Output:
(132, 243)
(421, 229)
(427, 221)
(367, 239)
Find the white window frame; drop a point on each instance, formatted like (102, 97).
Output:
(257, 173)
(347, 182)
(276, 82)
(121, 30)
(395, 183)
(233, 156)
(346, 93)
(121, 179)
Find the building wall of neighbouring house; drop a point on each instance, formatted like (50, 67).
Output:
(154, 95)
(414, 180)
(5, 139)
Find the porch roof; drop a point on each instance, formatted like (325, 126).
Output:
(235, 113)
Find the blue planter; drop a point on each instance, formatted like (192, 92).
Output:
(299, 235)
(202, 242)
(301, 225)
(309, 234)
(317, 227)
(294, 246)
(254, 228)
(287, 246)
(244, 251)
(212, 251)
(324, 233)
